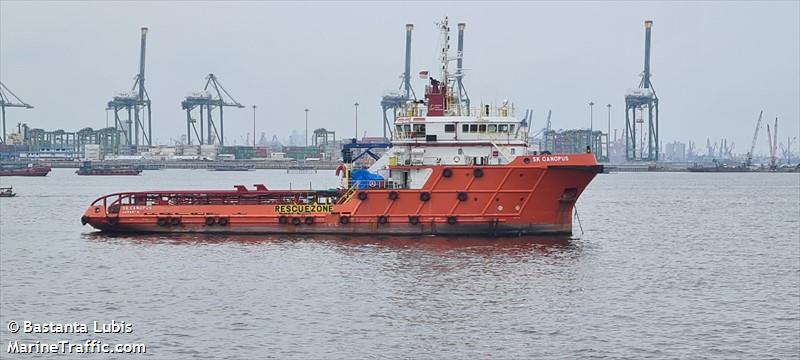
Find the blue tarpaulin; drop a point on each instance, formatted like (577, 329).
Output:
(363, 179)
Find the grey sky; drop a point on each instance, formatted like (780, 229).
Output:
(715, 64)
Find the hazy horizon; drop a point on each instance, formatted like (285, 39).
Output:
(715, 65)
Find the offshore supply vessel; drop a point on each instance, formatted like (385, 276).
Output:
(449, 170)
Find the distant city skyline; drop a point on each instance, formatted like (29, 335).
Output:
(715, 64)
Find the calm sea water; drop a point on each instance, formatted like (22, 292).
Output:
(669, 266)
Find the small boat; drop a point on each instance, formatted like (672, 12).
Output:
(89, 169)
(15, 169)
(233, 167)
(7, 192)
(301, 167)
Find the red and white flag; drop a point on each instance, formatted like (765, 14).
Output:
(423, 74)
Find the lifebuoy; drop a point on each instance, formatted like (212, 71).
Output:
(393, 195)
(414, 220)
(451, 220)
(344, 220)
(341, 169)
(210, 221)
(161, 221)
(296, 221)
(222, 221)
(309, 220)
(447, 172)
(462, 196)
(456, 159)
(362, 196)
(425, 196)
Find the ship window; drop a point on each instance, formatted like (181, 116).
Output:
(449, 128)
(511, 128)
(482, 128)
(400, 131)
(419, 129)
(492, 128)
(503, 128)
(465, 128)
(514, 151)
(473, 128)
(407, 129)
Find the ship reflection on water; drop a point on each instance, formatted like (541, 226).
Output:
(433, 244)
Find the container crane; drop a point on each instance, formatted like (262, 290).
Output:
(748, 160)
(213, 96)
(9, 99)
(772, 137)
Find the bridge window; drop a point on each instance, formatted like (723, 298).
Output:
(419, 130)
(449, 128)
(503, 128)
(473, 128)
(511, 128)
(465, 128)
(482, 128)
(492, 128)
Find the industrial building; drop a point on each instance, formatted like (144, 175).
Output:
(575, 142)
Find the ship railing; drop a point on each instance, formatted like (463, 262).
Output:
(351, 191)
(113, 202)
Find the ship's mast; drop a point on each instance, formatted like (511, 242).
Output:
(444, 29)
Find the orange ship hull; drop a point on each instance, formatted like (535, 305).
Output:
(529, 196)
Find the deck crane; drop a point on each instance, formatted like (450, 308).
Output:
(749, 157)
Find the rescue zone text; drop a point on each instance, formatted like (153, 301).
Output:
(302, 209)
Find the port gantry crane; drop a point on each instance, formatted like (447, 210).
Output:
(9, 99)
(772, 138)
(640, 99)
(207, 101)
(132, 103)
(394, 100)
(748, 159)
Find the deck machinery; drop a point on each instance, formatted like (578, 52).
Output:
(641, 104)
